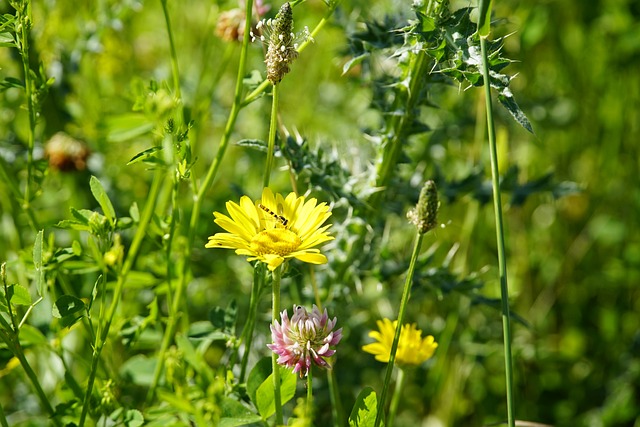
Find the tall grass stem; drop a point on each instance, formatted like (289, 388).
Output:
(197, 204)
(275, 309)
(174, 56)
(3, 418)
(141, 232)
(395, 399)
(273, 124)
(310, 395)
(396, 339)
(502, 263)
(247, 333)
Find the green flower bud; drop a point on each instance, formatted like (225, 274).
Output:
(425, 215)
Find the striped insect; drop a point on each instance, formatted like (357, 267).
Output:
(278, 217)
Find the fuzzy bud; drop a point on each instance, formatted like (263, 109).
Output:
(281, 51)
(425, 215)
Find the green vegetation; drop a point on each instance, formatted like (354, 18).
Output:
(124, 124)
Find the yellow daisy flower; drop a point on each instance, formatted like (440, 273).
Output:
(412, 349)
(274, 229)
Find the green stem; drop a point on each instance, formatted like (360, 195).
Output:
(174, 56)
(3, 418)
(272, 135)
(247, 333)
(23, 18)
(310, 396)
(195, 212)
(396, 127)
(334, 395)
(502, 263)
(8, 179)
(394, 347)
(395, 399)
(275, 308)
(122, 277)
(13, 343)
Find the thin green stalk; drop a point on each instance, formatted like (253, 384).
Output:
(310, 396)
(247, 333)
(195, 212)
(272, 135)
(394, 347)
(122, 277)
(23, 22)
(502, 263)
(13, 343)
(3, 418)
(395, 399)
(174, 56)
(275, 309)
(8, 178)
(337, 413)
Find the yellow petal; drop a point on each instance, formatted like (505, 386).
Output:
(312, 258)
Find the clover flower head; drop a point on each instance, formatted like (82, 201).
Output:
(304, 339)
(274, 229)
(412, 348)
(282, 42)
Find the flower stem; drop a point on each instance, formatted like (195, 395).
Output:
(395, 399)
(394, 347)
(195, 212)
(11, 339)
(101, 338)
(502, 264)
(3, 418)
(247, 333)
(275, 308)
(310, 396)
(336, 403)
(272, 135)
(24, 23)
(174, 56)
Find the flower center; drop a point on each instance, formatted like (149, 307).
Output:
(275, 241)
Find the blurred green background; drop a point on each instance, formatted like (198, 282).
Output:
(574, 262)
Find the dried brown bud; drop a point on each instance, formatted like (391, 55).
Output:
(66, 153)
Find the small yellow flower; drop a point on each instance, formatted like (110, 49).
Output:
(274, 229)
(412, 349)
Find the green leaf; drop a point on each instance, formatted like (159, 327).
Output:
(364, 410)
(68, 308)
(190, 355)
(507, 100)
(17, 295)
(224, 320)
(11, 82)
(127, 126)
(37, 263)
(133, 418)
(139, 370)
(484, 18)
(83, 216)
(353, 62)
(256, 144)
(31, 336)
(149, 153)
(235, 414)
(101, 197)
(265, 400)
(259, 373)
